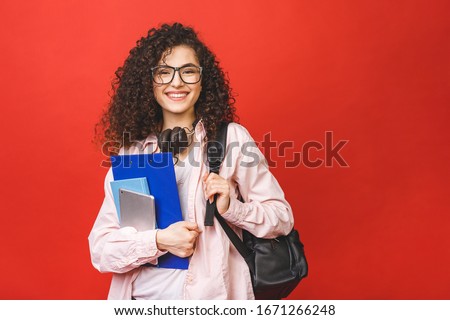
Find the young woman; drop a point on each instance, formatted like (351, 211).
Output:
(171, 79)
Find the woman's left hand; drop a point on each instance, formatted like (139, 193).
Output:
(215, 184)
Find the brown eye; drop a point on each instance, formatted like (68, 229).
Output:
(190, 70)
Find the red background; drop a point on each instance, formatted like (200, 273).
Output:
(375, 73)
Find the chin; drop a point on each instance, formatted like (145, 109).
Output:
(178, 109)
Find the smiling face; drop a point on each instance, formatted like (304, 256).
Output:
(177, 99)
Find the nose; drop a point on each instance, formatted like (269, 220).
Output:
(177, 82)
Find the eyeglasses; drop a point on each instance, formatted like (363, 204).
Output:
(188, 74)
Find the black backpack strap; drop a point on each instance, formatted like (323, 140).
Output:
(215, 151)
(234, 238)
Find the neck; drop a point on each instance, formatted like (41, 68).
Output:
(172, 121)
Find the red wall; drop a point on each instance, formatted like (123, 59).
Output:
(375, 73)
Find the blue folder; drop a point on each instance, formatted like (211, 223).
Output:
(138, 185)
(160, 173)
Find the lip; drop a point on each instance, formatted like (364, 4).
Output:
(176, 95)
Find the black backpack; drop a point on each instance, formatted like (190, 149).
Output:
(276, 265)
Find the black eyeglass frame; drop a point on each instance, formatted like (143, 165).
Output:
(175, 69)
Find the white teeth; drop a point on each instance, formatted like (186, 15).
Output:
(177, 95)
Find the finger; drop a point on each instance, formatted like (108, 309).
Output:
(214, 185)
(212, 176)
(194, 234)
(222, 185)
(190, 225)
(205, 185)
(197, 229)
(222, 189)
(210, 197)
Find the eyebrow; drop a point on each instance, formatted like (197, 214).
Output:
(190, 64)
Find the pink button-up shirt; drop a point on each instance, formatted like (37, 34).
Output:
(216, 270)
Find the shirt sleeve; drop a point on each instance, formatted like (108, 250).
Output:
(264, 211)
(115, 249)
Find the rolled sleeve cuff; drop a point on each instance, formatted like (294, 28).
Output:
(234, 214)
(146, 246)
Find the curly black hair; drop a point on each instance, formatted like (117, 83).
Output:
(133, 108)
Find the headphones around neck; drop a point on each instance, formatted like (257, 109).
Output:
(175, 140)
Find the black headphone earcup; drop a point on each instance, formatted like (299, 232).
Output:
(164, 140)
(173, 140)
(178, 140)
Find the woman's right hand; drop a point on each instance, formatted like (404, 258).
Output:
(178, 238)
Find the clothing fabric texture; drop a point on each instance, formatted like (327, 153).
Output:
(216, 269)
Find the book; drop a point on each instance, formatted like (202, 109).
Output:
(159, 171)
